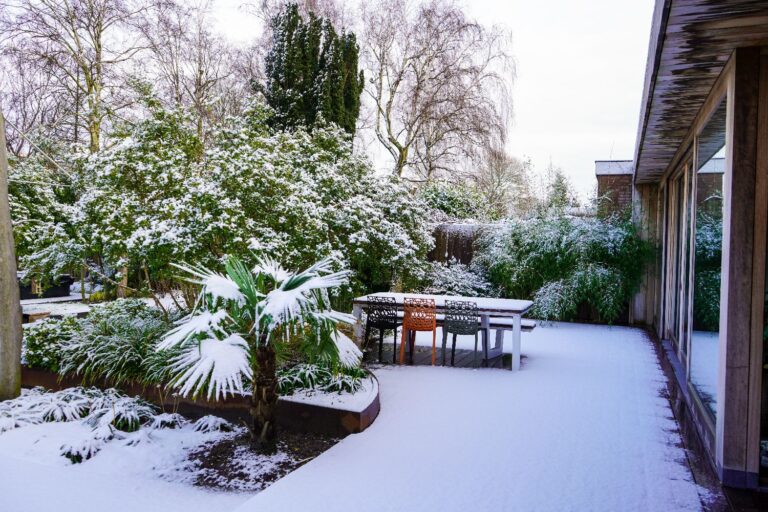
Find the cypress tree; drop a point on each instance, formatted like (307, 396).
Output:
(312, 72)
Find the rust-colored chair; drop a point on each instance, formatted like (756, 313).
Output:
(420, 315)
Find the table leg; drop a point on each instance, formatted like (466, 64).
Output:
(517, 322)
(357, 312)
(485, 326)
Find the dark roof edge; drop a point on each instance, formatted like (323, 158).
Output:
(655, 47)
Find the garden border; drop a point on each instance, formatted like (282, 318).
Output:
(291, 415)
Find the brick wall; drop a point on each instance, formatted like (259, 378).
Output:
(614, 192)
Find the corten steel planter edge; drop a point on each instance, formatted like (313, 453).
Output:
(295, 416)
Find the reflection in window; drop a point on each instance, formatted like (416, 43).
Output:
(707, 259)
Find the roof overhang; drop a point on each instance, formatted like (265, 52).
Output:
(691, 40)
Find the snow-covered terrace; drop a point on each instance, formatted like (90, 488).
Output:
(583, 426)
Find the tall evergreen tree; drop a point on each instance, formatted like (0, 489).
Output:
(312, 72)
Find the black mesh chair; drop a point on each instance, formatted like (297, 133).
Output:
(461, 318)
(382, 315)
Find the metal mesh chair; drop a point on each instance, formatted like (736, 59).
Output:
(382, 315)
(461, 318)
(420, 315)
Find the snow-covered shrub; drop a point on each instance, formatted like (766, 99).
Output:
(113, 409)
(167, 420)
(212, 424)
(707, 263)
(455, 278)
(41, 347)
(562, 262)
(41, 198)
(99, 409)
(706, 300)
(157, 197)
(345, 380)
(117, 342)
(453, 201)
(310, 196)
(319, 377)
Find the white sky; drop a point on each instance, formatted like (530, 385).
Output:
(580, 68)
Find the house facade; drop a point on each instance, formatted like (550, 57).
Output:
(700, 192)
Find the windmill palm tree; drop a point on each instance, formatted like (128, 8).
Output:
(241, 320)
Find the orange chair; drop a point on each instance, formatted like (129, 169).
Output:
(420, 315)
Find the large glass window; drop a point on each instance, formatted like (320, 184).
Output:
(707, 253)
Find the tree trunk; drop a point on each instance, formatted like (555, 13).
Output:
(122, 285)
(264, 400)
(10, 308)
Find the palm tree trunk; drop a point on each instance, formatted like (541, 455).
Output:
(264, 400)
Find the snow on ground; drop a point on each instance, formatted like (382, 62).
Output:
(353, 402)
(119, 478)
(582, 427)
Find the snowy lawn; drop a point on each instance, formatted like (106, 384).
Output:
(582, 427)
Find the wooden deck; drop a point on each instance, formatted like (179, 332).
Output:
(423, 356)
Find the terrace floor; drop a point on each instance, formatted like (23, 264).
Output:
(422, 356)
(584, 426)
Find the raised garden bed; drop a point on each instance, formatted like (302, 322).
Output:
(327, 414)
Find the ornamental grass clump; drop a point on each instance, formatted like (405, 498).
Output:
(117, 343)
(242, 321)
(562, 263)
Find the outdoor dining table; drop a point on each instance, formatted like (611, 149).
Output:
(487, 308)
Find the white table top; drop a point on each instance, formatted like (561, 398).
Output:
(484, 304)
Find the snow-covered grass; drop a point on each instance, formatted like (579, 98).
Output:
(583, 427)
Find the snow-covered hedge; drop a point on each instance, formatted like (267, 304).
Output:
(562, 262)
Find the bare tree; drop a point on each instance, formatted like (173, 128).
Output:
(504, 182)
(439, 84)
(84, 42)
(10, 308)
(196, 68)
(34, 101)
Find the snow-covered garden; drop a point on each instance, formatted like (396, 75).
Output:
(584, 426)
(218, 226)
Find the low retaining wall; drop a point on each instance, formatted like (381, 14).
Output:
(291, 415)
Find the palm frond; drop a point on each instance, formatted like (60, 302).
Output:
(216, 285)
(191, 325)
(270, 267)
(217, 366)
